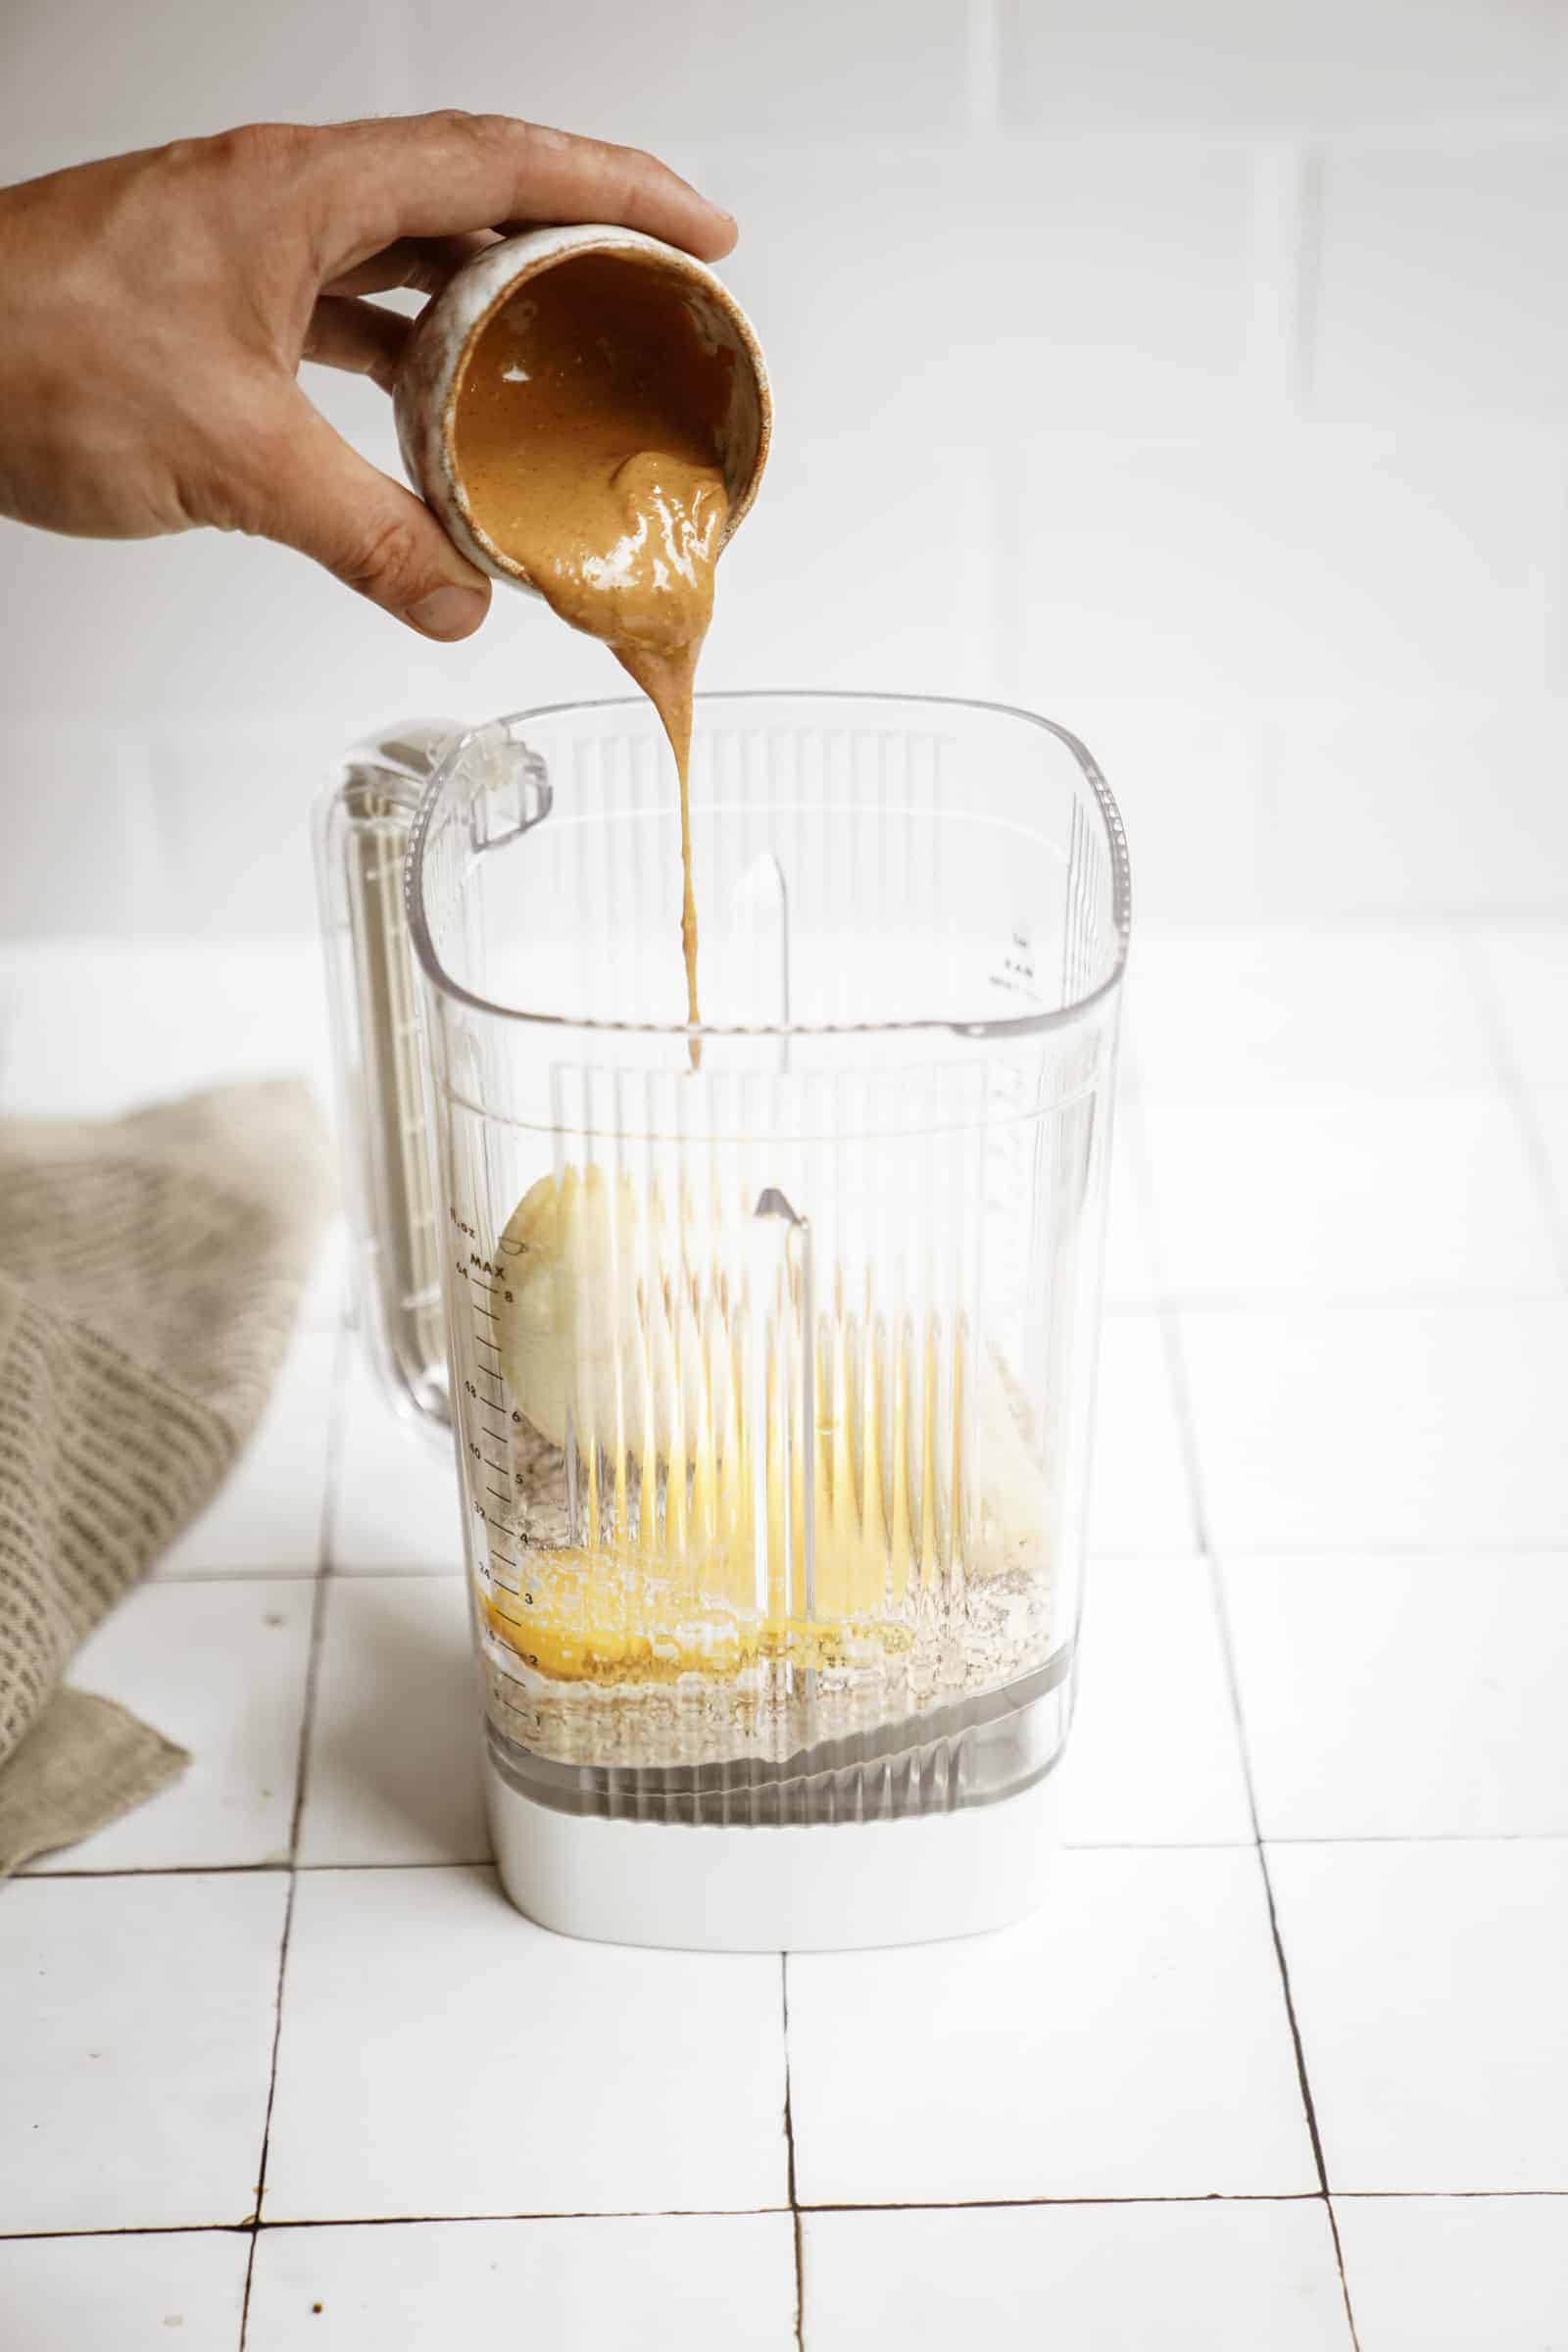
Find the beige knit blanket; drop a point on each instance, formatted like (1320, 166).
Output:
(150, 1268)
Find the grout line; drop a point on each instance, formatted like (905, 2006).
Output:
(1361, 2196)
(31, 1876)
(789, 2147)
(27, 2237)
(741, 2213)
(267, 2119)
(1170, 1329)
(241, 1870)
(1431, 1837)
(302, 1766)
(1252, 2196)
(334, 1469)
(1295, 2040)
(234, 1576)
(682, 2213)
(304, 1577)
(798, 2232)
(334, 1448)
(1259, 2197)
(746, 2212)
(617, 2212)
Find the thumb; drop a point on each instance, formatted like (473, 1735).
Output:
(333, 505)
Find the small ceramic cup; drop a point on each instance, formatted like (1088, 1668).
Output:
(425, 397)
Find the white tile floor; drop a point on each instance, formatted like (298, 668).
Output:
(1329, 1604)
(1142, 1500)
(1155, 1754)
(132, 2291)
(220, 1668)
(1428, 1979)
(1401, 1696)
(392, 1771)
(703, 2283)
(422, 2020)
(1233, 2275)
(1128, 2042)
(138, 2045)
(397, 1496)
(1456, 2273)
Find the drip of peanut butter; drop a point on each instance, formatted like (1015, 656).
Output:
(587, 432)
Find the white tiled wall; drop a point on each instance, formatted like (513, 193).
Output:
(1192, 369)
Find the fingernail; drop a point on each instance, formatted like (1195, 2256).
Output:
(449, 611)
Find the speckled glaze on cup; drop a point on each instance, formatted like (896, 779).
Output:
(424, 399)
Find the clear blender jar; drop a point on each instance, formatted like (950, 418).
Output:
(767, 1349)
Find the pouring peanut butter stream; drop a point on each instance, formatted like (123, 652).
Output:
(587, 430)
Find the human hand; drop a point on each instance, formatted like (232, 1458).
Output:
(158, 307)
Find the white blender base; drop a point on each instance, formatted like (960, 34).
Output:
(833, 1887)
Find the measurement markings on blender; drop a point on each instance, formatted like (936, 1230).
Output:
(485, 1284)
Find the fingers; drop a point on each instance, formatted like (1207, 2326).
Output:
(423, 263)
(322, 497)
(358, 338)
(448, 174)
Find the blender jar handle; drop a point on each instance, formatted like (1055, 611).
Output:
(362, 827)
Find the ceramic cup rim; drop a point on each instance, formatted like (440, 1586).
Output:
(425, 393)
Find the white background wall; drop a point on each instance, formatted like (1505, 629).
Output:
(1190, 369)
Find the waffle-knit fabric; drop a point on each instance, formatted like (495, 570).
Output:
(150, 1269)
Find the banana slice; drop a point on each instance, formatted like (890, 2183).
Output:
(602, 1334)
(601, 1330)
